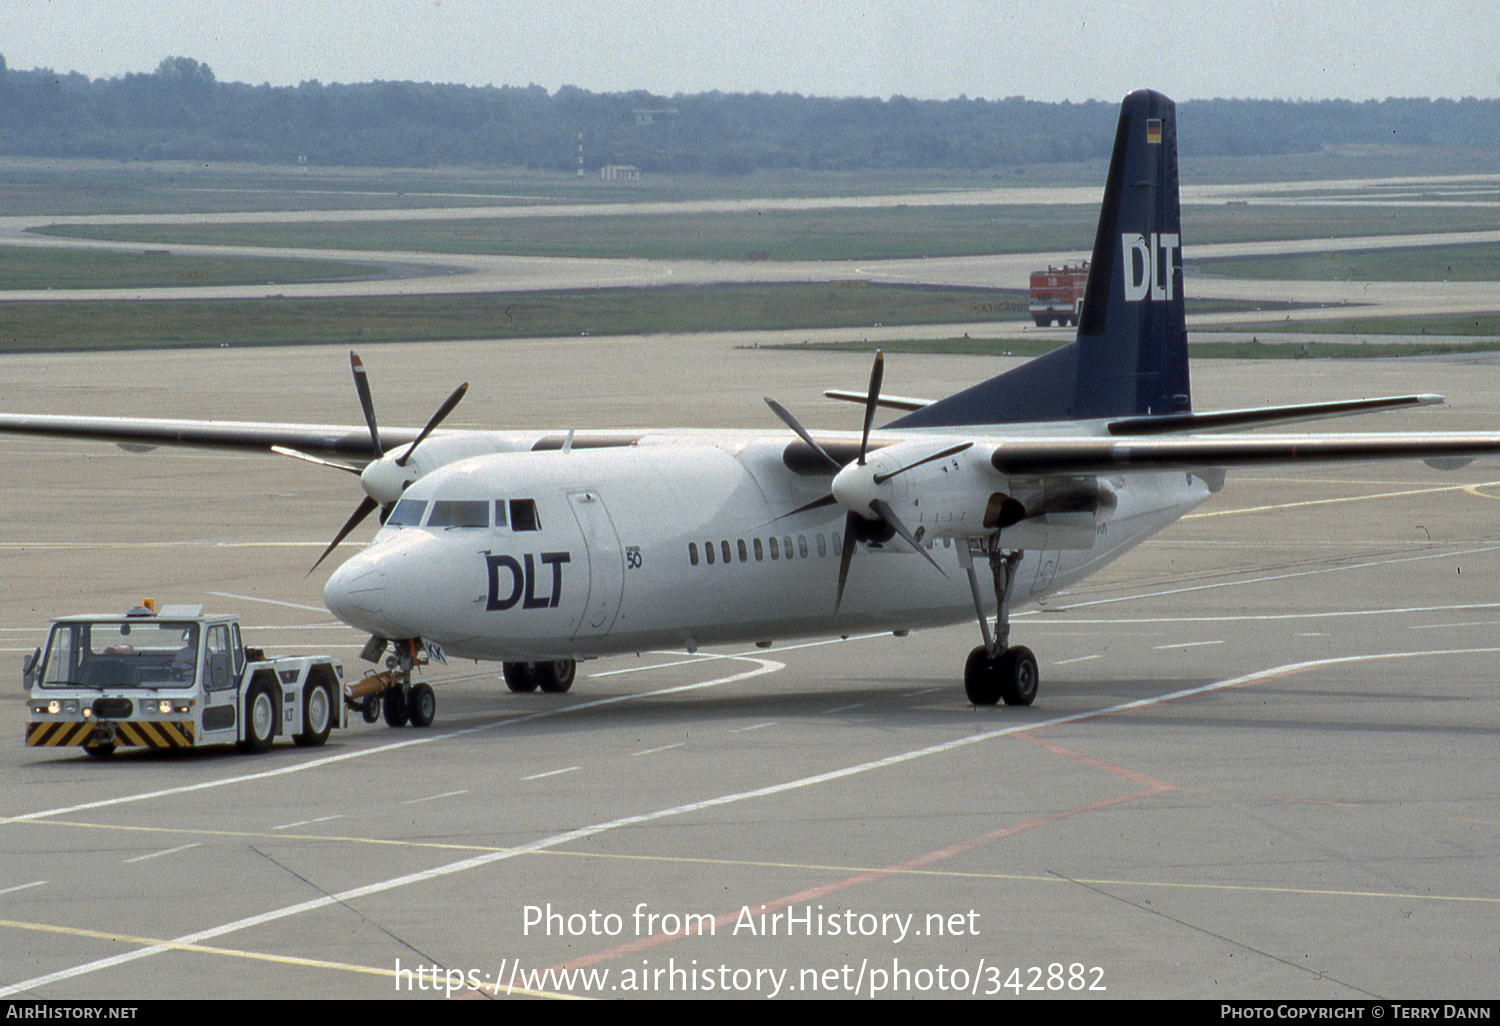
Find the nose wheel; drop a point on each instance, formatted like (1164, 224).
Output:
(391, 694)
(996, 672)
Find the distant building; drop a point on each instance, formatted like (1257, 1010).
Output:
(620, 173)
(650, 116)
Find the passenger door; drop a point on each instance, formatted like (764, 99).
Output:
(606, 564)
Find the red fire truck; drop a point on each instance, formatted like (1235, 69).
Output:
(1057, 294)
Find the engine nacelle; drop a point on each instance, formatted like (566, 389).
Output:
(958, 494)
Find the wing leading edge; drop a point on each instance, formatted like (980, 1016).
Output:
(350, 442)
(1103, 455)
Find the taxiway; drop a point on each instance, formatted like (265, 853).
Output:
(1261, 764)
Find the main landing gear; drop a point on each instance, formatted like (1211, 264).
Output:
(995, 671)
(553, 677)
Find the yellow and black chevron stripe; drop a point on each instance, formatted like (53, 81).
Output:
(150, 734)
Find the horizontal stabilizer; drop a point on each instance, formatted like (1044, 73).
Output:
(890, 402)
(1218, 420)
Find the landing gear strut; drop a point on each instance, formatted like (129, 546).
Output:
(995, 671)
(391, 693)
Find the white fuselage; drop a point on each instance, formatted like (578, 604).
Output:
(681, 538)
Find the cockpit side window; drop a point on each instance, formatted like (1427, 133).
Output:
(523, 516)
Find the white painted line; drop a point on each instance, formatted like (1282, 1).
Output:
(663, 748)
(24, 886)
(1439, 626)
(843, 708)
(1275, 577)
(1077, 659)
(654, 666)
(273, 602)
(552, 773)
(434, 797)
(1186, 644)
(753, 726)
(307, 822)
(1342, 499)
(169, 851)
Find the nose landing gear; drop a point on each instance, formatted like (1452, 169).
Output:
(391, 693)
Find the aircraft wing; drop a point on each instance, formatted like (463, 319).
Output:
(334, 441)
(1106, 455)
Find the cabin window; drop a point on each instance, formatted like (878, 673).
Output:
(523, 515)
(822, 545)
(408, 513)
(744, 552)
(708, 550)
(786, 546)
(693, 553)
(760, 553)
(500, 518)
(470, 513)
(775, 549)
(802, 545)
(724, 546)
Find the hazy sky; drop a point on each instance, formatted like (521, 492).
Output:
(1042, 49)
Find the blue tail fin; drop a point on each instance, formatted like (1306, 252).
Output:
(1130, 357)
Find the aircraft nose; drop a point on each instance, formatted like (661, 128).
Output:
(355, 593)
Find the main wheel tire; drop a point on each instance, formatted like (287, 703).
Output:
(1019, 676)
(260, 718)
(317, 715)
(394, 705)
(520, 677)
(557, 676)
(981, 678)
(421, 706)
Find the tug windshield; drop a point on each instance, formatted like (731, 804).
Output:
(121, 654)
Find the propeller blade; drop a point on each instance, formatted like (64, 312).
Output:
(801, 432)
(954, 451)
(876, 374)
(827, 500)
(851, 524)
(362, 386)
(364, 509)
(437, 418)
(282, 450)
(889, 516)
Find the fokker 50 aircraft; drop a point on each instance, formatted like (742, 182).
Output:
(538, 549)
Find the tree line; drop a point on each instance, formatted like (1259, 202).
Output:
(181, 111)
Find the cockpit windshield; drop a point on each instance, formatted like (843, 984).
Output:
(121, 654)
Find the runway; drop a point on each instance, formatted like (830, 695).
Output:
(1261, 763)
